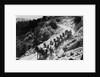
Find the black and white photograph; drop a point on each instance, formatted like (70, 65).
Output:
(49, 37)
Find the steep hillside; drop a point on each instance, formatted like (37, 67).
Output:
(50, 38)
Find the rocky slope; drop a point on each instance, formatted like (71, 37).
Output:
(55, 38)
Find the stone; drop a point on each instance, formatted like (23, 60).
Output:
(60, 53)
